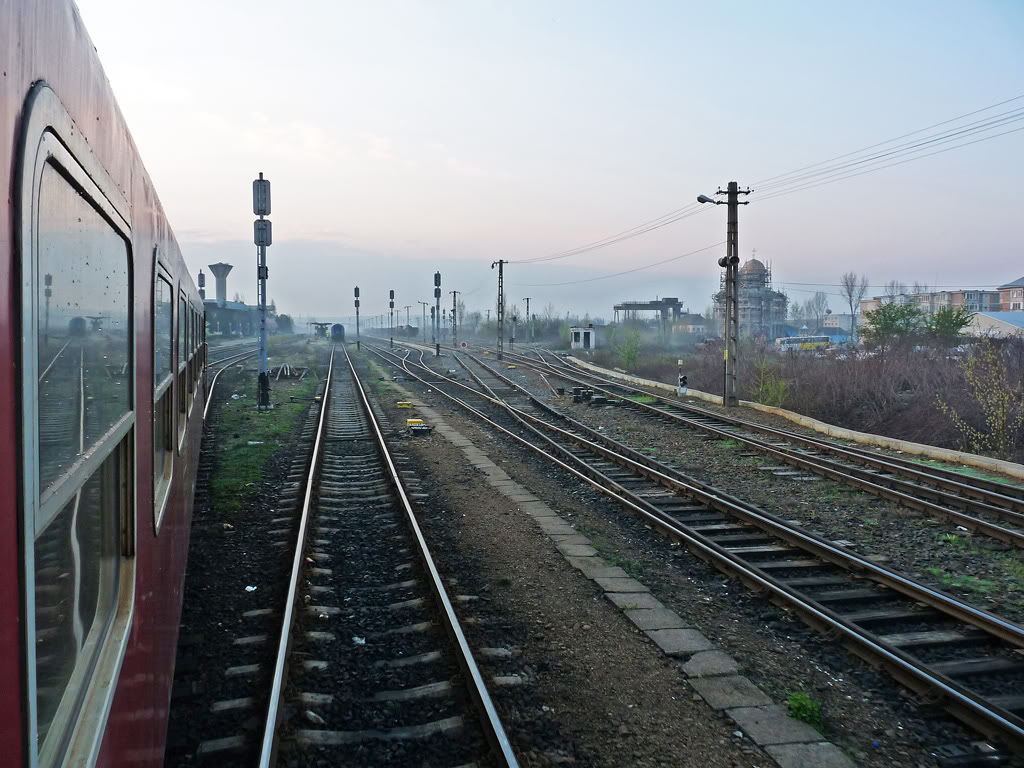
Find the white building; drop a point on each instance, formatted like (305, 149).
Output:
(582, 337)
(843, 322)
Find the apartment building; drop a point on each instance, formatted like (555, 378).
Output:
(1011, 296)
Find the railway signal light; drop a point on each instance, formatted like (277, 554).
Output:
(262, 232)
(261, 197)
(263, 237)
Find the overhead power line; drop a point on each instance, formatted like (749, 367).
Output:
(619, 274)
(641, 229)
(890, 141)
(829, 171)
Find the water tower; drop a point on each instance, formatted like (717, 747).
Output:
(220, 274)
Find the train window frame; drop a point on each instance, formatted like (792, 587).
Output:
(162, 391)
(49, 137)
(183, 406)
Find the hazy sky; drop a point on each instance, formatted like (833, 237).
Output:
(403, 137)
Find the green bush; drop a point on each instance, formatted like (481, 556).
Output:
(802, 707)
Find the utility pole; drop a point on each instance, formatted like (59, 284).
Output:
(501, 306)
(391, 318)
(424, 304)
(455, 329)
(730, 262)
(357, 316)
(263, 238)
(437, 313)
(407, 307)
(488, 315)
(529, 323)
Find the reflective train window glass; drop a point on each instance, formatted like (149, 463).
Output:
(84, 338)
(163, 333)
(163, 377)
(76, 576)
(84, 389)
(182, 334)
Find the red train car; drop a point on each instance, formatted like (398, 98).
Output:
(102, 386)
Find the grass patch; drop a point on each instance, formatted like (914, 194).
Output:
(961, 469)
(959, 581)
(248, 439)
(803, 707)
(380, 387)
(631, 565)
(1014, 569)
(645, 399)
(829, 493)
(730, 444)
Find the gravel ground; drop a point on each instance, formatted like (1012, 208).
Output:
(862, 707)
(636, 709)
(975, 568)
(227, 553)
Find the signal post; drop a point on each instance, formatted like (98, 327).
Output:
(262, 236)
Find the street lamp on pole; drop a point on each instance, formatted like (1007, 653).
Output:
(730, 262)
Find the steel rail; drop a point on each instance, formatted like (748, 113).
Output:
(736, 507)
(975, 488)
(960, 701)
(234, 354)
(833, 470)
(490, 721)
(46, 370)
(228, 362)
(269, 740)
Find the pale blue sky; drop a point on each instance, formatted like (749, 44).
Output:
(404, 136)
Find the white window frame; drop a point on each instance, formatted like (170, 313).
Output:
(49, 136)
(160, 504)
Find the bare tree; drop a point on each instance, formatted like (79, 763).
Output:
(796, 313)
(895, 288)
(816, 307)
(919, 287)
(549, 313)
(853, 290)
(460, 305)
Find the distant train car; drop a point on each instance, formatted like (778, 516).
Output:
(338, 333)
(76, 327)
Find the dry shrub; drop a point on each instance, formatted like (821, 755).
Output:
(898, 397)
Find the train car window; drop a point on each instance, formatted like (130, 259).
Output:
(182, 369)
(163, 402)
(83, 335)
(80, 500)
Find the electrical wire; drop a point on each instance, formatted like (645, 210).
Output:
(909, 148)
(890, 141)
(798, 180)
(783, 192)
(641, 229)
(617, 274)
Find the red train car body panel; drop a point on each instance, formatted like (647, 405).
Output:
(44, 49)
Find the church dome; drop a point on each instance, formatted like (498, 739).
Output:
(752, 267)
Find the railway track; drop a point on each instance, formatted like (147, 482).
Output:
(225, 364)
(372, 666)
(965, 659)
(985, 506)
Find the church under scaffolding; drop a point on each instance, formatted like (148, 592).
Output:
(762, 311)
